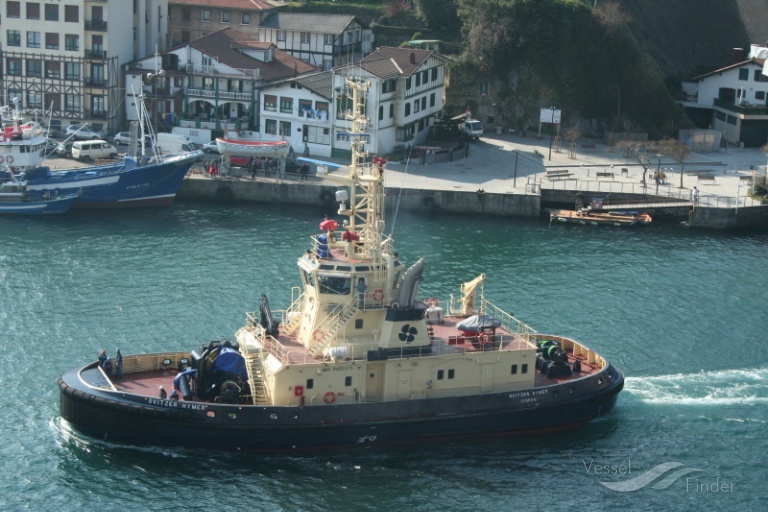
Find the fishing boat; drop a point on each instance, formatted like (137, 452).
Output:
(257, 149)
(357, 358)
(589, 217)
(15, 200)
(22, 143)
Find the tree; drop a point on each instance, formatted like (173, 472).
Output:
(438, 14)
(677, 151)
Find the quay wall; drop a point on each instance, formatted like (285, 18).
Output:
(315, 192)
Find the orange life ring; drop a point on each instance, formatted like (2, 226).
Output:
(329, 397)
(432, 302)
(378, 295)
(9, 159)
(317, 335)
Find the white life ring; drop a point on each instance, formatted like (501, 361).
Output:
(9, 159)
(432, 302)
(378, 295)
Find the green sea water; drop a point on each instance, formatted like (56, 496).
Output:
(682, 313)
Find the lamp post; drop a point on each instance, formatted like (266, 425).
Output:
(552, 133)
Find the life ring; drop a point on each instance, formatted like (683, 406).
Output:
(428, 202)
(329, 397)
(9, 159)
(317, 335)
(432, 302)
(378, 295)
(326, 196)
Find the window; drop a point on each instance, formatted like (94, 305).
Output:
(328, 38)
(451, 373)
(270, 126)
(440, 374)
(305, 108)
(13, 9)
(348, 381)
(327, 64)
(72, 13)
(524, 368)
(432, 100)
(391, 110)
(71, 42)
(416, 105)
(321, 110)
(285, 128)
(760, 95)
(759, 76)
(14, 38)
(33, 11)
(34, 68)
(359, 323)
(310, 383)
(434, 74)
(13, 67)
(245, 18)
(286, 105)
(408, 83)
(381, 112)
(408, 109)
(186, 13)
(185, 36)
(317, 135)
(418, 79)
(225, 16)
(205, 15)
(270, 102)
(53, 69)
(34, 99)
(424, 103)
(33, 39)
(743, 74)
(490, 120)
(388, 86)
(72, 70)
(51, 41)
(483, 88)
(281, 35)
(513, 370)
(425, 76)
(51, 12)
(305, 37)
(72, 103)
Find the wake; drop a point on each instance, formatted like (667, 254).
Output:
(706, 388)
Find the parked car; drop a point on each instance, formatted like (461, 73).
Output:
(64, 149)
(92, 150)
(124, 138)
(211, 147)
(81, 132)
(52, 132)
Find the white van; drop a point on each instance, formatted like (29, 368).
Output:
(172, 143)
(93, 149)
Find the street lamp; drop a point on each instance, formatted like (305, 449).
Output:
(152, 78)
(552, 133)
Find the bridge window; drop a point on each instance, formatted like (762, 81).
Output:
(334, 284)
(524, 368)
(348, 381)
(514, 369)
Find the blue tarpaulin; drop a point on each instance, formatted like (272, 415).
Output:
(230, 360)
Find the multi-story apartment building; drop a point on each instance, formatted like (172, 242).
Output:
(406, 93)
(65, 56)
(192, 19)
(323, 40)
(210, 85)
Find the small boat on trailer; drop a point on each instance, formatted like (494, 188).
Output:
(257, 149)
(589, 217)
(357, 358)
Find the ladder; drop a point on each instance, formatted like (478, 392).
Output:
(330, 327)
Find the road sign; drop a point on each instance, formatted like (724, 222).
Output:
(546, 116)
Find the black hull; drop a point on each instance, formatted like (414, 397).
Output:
(124, 418)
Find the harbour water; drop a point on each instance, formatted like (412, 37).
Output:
(681, 312)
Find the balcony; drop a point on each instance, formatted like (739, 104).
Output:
(208, 124)
(743, 109)
(224, 95)
(345, 49)
(95, 82)
(96, 54)
(95, 114)
(96, 25)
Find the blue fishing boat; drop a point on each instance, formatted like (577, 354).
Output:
(15, 200)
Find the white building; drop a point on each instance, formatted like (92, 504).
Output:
(323, 40)
(66, 55)
(406, 94)
(298, 110)
(734, 98)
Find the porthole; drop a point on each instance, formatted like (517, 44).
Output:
(273, 416)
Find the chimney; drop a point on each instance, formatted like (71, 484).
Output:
(737, 56)
(413, 58)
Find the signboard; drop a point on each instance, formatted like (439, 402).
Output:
(546, 116)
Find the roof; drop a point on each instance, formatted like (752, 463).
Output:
(759, 62)
(390, 62)
(225, 46)
(319, 83)
(310, 22)
(250, 5)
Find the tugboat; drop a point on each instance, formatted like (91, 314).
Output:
(356, 359)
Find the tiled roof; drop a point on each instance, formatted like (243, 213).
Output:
(389, 62)
(310, 22)
(251, 5)
(759, 62)
(319, 83)
(224, 45)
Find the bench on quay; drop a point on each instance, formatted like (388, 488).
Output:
(606, 174)
(699, 172)
(706, 177)
(560, 173)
